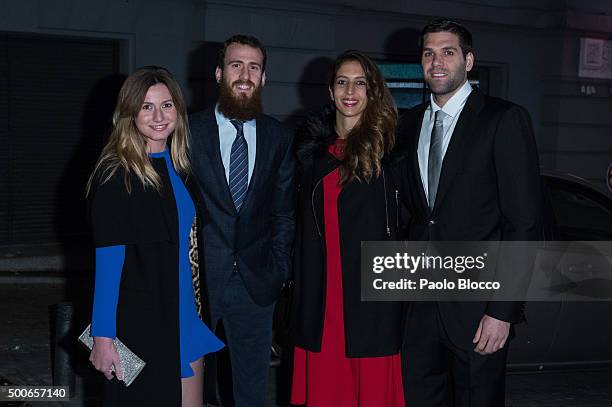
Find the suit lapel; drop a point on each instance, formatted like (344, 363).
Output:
(463, 136)
(213, 151)
(262, 150)
(414, 158)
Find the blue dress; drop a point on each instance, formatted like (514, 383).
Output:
(196, 339)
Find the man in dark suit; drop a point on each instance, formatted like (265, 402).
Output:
(472, 175)
(243, 161)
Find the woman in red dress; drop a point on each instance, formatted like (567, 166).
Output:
(347, 351)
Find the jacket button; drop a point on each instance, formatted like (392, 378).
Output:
(432, 222)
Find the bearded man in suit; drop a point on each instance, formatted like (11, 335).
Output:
(243, 162)
(473, 175)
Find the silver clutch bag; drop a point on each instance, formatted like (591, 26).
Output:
(131, 364)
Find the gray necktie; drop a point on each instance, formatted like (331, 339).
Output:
(434, 163)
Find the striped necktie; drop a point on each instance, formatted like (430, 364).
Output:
(239, 166)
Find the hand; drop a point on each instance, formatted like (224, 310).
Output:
(104, 357)
(491, 335)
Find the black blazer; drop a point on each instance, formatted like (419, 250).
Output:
(257, 239)
(489, 189)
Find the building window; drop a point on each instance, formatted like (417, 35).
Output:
(405, 82)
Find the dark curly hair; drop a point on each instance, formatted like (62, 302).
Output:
(374, 135)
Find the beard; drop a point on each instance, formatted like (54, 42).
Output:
(241, 106)
(439, 89)
(454, 81)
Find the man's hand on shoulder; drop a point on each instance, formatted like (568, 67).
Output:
(491, 335)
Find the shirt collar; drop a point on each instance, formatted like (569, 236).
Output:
(454, 105)
(221, 119)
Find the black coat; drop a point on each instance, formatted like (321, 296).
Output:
(146, 222)
(366, 211)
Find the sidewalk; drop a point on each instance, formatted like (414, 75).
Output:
(32, 281)
(26, 296)
(44, 263)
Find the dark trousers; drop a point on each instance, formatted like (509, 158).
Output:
(248, 331)
(437, 373)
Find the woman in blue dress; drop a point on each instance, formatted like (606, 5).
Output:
(142, 207)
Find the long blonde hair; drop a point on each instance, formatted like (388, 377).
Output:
(127, 147)
(374, 134)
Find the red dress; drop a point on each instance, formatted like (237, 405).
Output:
(328, 378)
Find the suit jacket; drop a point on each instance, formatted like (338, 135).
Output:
(256, 240)
(489, 189)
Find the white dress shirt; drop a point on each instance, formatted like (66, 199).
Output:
(227, 135)
(452, 108)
